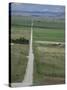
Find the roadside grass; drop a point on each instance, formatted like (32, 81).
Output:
(49, 65)
(19, 53)
(41, 34)
(19, 61)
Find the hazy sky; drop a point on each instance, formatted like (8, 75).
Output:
(36, 7)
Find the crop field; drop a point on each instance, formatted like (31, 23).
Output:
(49, 64)
(49, 58)
(49, 53)
(41, 34)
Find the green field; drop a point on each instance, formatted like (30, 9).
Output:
(42, 22)
(43, 34)
(49, 66)
(19, 53)
(49, 59)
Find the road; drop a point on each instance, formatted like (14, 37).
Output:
(28, 78)
(49, 42)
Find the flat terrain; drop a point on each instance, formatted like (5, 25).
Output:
(49, 64)
(19, 54)
(20, 32)
(48, 49)
(42, 34)
(18, 61)
(49, 53)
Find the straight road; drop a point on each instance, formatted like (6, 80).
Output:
(28, 78)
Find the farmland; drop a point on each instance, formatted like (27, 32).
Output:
(19, 52)
(49, 58)
(42, 34)
(49, 66)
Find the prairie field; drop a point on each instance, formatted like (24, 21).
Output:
(49, 58)
(49, 53)
(49, 66)
(19, 53)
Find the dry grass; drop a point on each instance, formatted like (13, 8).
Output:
(49, 65)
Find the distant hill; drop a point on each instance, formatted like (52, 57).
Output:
(36, 10)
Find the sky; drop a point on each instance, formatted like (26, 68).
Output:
(36, 7)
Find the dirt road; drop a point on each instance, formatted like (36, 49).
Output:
(28, 78)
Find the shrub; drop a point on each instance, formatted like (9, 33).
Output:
(20, 41)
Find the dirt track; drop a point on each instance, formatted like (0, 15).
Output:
(28, 78)
(49, 42)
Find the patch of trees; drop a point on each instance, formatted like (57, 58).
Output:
(20, 41)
